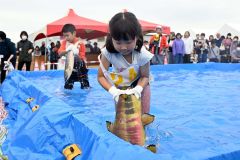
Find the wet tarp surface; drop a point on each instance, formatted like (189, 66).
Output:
(196, 108)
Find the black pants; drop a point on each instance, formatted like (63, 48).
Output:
(187, 58)
(213, 60)
(3, 72)
(21, 63)
(53, 66)
(79, 74)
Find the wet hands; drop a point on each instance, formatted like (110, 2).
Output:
(72, 48)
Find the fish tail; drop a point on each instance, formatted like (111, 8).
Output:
(147, 119)
(152, 148)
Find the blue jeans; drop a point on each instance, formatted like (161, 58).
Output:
(202, 57)
(158, 59)
(170, 58)
(178, 58)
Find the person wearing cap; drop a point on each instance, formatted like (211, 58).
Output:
(158, 45)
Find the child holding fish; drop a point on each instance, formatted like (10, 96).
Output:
(130, 60)
(130, 80)
(74, 50)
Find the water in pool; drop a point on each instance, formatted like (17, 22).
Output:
(197, 112)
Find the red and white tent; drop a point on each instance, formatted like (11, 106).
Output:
(86, 28)
(151, 27)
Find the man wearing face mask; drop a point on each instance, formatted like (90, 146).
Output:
(24, 50)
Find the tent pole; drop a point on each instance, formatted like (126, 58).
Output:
(45, 56)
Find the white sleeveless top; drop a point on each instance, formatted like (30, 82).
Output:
(124, 73)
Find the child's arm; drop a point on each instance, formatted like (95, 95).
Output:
(101, 78)
(62, 51)
(105, 83)
(144, 75)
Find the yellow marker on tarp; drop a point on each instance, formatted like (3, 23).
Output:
(71, 151)
(30, 99)
(34, 108)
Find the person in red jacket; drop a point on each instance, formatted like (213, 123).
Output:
(158, 46)
(72, 43)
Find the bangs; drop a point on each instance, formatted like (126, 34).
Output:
(124, 27)
(123, 30)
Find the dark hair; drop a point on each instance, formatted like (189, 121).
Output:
(124, 26)
(2, 35)
(235, 37)
(179, 34)
(52, 44)
(188, 33)
(95, 43)
(145, 41)
(229, 34)
(58, 44)
(203, 34)
(23, 33)
(211, 36)
(68, 28)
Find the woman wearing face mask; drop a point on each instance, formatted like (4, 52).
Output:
(24, 50)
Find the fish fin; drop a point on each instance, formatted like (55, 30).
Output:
(152, 148)
(147, 119)
(109, 126)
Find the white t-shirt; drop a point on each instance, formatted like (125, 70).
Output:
(188, 42)
(120, 63)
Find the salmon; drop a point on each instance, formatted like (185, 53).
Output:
(130, 122)
(68, 65)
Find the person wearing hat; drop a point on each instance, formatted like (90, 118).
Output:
(158, 46)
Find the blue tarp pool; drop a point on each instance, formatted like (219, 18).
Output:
(196, 108)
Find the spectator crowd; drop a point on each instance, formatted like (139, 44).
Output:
(167, 49)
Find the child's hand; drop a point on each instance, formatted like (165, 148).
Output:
(115, 93)
(72, 48)
(69, 48)
(137, 91)
(75, 50)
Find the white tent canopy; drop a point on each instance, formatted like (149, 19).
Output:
(35, 34)
(227, 28)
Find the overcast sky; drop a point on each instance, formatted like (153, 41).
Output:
(181, 15)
